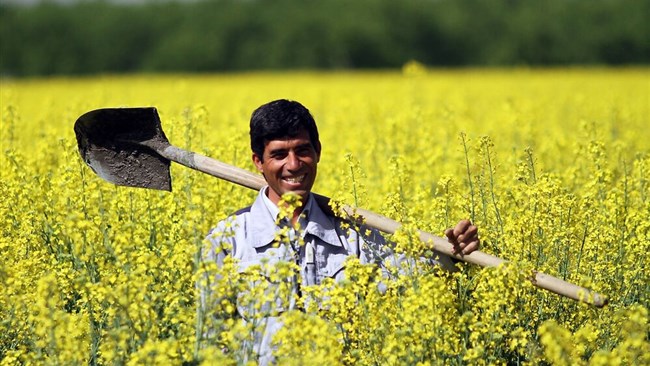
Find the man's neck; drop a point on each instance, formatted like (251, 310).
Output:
(296, 213)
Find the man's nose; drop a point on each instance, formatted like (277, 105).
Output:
(293, 162)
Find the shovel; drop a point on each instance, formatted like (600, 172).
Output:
(127, 147)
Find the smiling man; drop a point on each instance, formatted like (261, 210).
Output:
(286, 150)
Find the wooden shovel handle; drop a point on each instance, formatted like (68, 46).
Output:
(250, 180)
(482, 259)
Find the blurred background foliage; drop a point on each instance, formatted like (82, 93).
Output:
(90, 37)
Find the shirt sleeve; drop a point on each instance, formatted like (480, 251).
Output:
(376, 249)
(218, 244)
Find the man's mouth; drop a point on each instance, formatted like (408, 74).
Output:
(294, 180)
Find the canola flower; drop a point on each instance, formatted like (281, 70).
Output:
(552, 165)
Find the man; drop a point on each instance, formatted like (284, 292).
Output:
(286, 150)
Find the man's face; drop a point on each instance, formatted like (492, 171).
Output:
(289, 165)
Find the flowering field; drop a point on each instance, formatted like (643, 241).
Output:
(552, 165)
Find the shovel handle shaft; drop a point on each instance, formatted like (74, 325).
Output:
(213, 167)
(441, 245)
(253, 181)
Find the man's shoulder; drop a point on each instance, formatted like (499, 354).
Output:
(242, 211)
(241, 214)
(231, 221)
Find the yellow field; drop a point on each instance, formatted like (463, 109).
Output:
(552, 165)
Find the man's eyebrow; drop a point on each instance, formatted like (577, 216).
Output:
(306, 145)
(278, 150)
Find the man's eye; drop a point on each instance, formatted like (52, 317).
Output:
(306, 151)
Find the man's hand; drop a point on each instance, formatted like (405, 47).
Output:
(464, 237)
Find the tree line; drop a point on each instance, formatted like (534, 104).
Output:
(89, 37)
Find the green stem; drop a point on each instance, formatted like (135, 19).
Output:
(469, 176)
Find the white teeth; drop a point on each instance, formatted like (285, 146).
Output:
(295, 179)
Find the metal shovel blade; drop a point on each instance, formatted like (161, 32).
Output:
(119, 145)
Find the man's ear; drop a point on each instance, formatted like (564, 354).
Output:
(257, 161)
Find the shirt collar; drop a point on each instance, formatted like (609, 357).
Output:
(274, 211)
(264, 213)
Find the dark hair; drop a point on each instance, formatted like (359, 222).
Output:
(279, 119)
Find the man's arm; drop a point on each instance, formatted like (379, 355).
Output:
(216, 246)
(464, 238)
